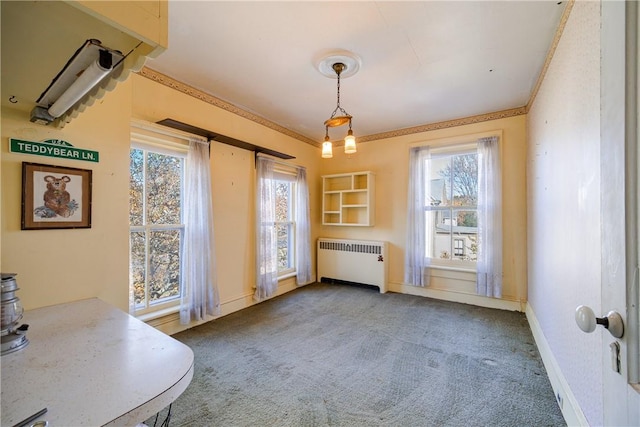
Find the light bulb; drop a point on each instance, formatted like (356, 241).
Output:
(350, 143)
(83, 84)
(327, 149)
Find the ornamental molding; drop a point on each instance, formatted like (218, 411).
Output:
(552, 51)
(210, 99)
(446, 124)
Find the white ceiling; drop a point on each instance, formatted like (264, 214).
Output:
(422, 61)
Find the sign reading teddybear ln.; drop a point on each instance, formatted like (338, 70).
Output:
(52, 148)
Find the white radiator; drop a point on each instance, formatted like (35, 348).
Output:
(359, 261)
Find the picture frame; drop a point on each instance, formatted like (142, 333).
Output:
(55, 197)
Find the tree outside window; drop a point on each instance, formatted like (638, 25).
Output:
(156, 227)
(285, 226)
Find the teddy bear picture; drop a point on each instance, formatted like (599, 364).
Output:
(57, 200)
(56, 197)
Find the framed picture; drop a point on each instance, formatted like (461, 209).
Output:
(55, 197)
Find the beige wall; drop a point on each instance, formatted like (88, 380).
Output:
(233, 183)
(389, 159)
(56, 266)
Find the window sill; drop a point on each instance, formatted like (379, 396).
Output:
(449, 268)
(287, 275)
(146, 317)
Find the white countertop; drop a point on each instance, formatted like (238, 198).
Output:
(91, 364)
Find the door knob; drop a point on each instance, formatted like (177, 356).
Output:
(587, 321)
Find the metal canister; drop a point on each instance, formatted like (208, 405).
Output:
(13, 334)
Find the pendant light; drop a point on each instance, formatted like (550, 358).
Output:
(339, 63)
(327, 145)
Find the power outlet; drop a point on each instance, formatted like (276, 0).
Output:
(559, 399)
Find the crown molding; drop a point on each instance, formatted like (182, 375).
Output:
(210, 99)
(446, 124)
(552, 51)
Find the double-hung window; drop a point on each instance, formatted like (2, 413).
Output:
(156, 201)
(282, 233)
(454, 213)
(285, 222)
(452, 206)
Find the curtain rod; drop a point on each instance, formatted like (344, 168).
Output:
(280, 162)
(212, 136)
(163, 130)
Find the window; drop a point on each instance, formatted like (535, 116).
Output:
(285, 225)
(156, 227)
(282, 235)
(452, 205)
(451, 191)
(458, 248)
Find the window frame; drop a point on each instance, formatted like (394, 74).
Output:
(164, 145)
(441, 151)
(281, 175)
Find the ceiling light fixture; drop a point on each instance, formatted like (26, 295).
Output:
(91, 63)
(341, 64)
(335, 120)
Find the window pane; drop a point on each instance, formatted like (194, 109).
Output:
(283, 201)
(467, 219)
(465, 235)
(442, 232)
(138, 268)
(164, 265)
(285, 246)
(164, 188)
(430, 231)
(440, 171)
(464, 176)
(452, 230)
(136, 182)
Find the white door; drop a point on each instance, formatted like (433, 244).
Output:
(621, 402)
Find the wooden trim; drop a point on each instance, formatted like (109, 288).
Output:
(552, 51)
(565, 398)
(210, 99)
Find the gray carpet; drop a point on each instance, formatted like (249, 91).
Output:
(341, 355)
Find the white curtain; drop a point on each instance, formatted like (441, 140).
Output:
(416, 263)
(266, 242)
(489, 219)
(303, 234)
(199, 287)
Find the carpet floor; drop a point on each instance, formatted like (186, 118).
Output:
(342, 355)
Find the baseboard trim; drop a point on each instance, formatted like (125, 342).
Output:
(568, 403)
(171, 324)
(501, 304)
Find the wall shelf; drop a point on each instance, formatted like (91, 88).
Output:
(212, 136)
(348, 199)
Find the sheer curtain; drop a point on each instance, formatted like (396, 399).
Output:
(489, 218)
(303, 235)
(266, 242)
(199, 287)
(416, 263)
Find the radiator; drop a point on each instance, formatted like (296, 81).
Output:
(358, 261)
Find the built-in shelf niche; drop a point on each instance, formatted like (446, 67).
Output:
(348, 199)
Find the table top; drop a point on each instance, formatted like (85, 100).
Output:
(91, 364)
